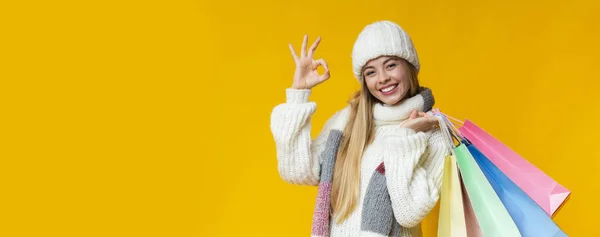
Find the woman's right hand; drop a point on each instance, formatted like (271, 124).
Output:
(306, 75)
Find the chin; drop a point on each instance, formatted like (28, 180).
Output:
(391, 100)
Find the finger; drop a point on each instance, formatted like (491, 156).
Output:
(327, 73)
(294, 53)
(429, 124)
(324, 77)
(313, 47)
(303, 52)
(402, 123)
(413, 114)
(322, 63)
(434, 121)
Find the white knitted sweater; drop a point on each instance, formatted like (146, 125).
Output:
(413, 161)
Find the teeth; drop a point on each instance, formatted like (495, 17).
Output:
(388, 89)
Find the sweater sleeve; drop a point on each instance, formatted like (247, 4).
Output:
(297, 153)
(414, 166)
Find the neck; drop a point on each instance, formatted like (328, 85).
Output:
(392, 114)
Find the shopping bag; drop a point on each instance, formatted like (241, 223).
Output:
(473, 229)
(493, 218)
(451, 220)
(544, 190)
(531, 220)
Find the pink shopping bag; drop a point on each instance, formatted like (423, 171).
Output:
(546, 192)
(473, 229)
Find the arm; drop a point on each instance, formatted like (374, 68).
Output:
(414, 166)
(297, 154)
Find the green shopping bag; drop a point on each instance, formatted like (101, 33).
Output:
(491, 214)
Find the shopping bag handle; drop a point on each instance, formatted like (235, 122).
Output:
(447, 134)
(450, 127)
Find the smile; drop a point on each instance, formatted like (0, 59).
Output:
(389, 89)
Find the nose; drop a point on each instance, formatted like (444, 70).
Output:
(383, 78)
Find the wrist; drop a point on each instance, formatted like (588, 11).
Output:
(300, 87)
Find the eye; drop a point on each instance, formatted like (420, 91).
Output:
(369, 73)
(391, 66)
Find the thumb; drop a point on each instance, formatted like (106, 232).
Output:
(413, 114)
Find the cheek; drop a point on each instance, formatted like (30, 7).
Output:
(400, 76)
(371, 84)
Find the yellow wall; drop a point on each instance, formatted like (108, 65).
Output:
(151, 118)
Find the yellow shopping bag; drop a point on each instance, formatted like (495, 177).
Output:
(451, 220)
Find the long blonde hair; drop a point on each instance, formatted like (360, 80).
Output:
(358, 134)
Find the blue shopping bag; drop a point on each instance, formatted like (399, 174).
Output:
(530, 218)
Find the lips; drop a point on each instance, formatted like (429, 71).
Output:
(388, 89)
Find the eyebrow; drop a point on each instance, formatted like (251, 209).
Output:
(389, 59)
(384, 62)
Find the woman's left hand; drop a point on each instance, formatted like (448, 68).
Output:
(420, 122)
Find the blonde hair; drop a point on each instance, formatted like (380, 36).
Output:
(357, 135)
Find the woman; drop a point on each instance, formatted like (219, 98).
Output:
(378, 162)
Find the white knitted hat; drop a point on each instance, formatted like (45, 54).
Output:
(382, 38)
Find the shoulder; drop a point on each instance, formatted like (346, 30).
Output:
(339, 119)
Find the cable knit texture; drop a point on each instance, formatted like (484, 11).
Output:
(411, 171)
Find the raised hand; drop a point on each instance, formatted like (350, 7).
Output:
(306, 75)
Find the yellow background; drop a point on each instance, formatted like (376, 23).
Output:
(151, 118)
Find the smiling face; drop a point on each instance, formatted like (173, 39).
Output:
(390, 79)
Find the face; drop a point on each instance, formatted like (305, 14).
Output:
(387, 78)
